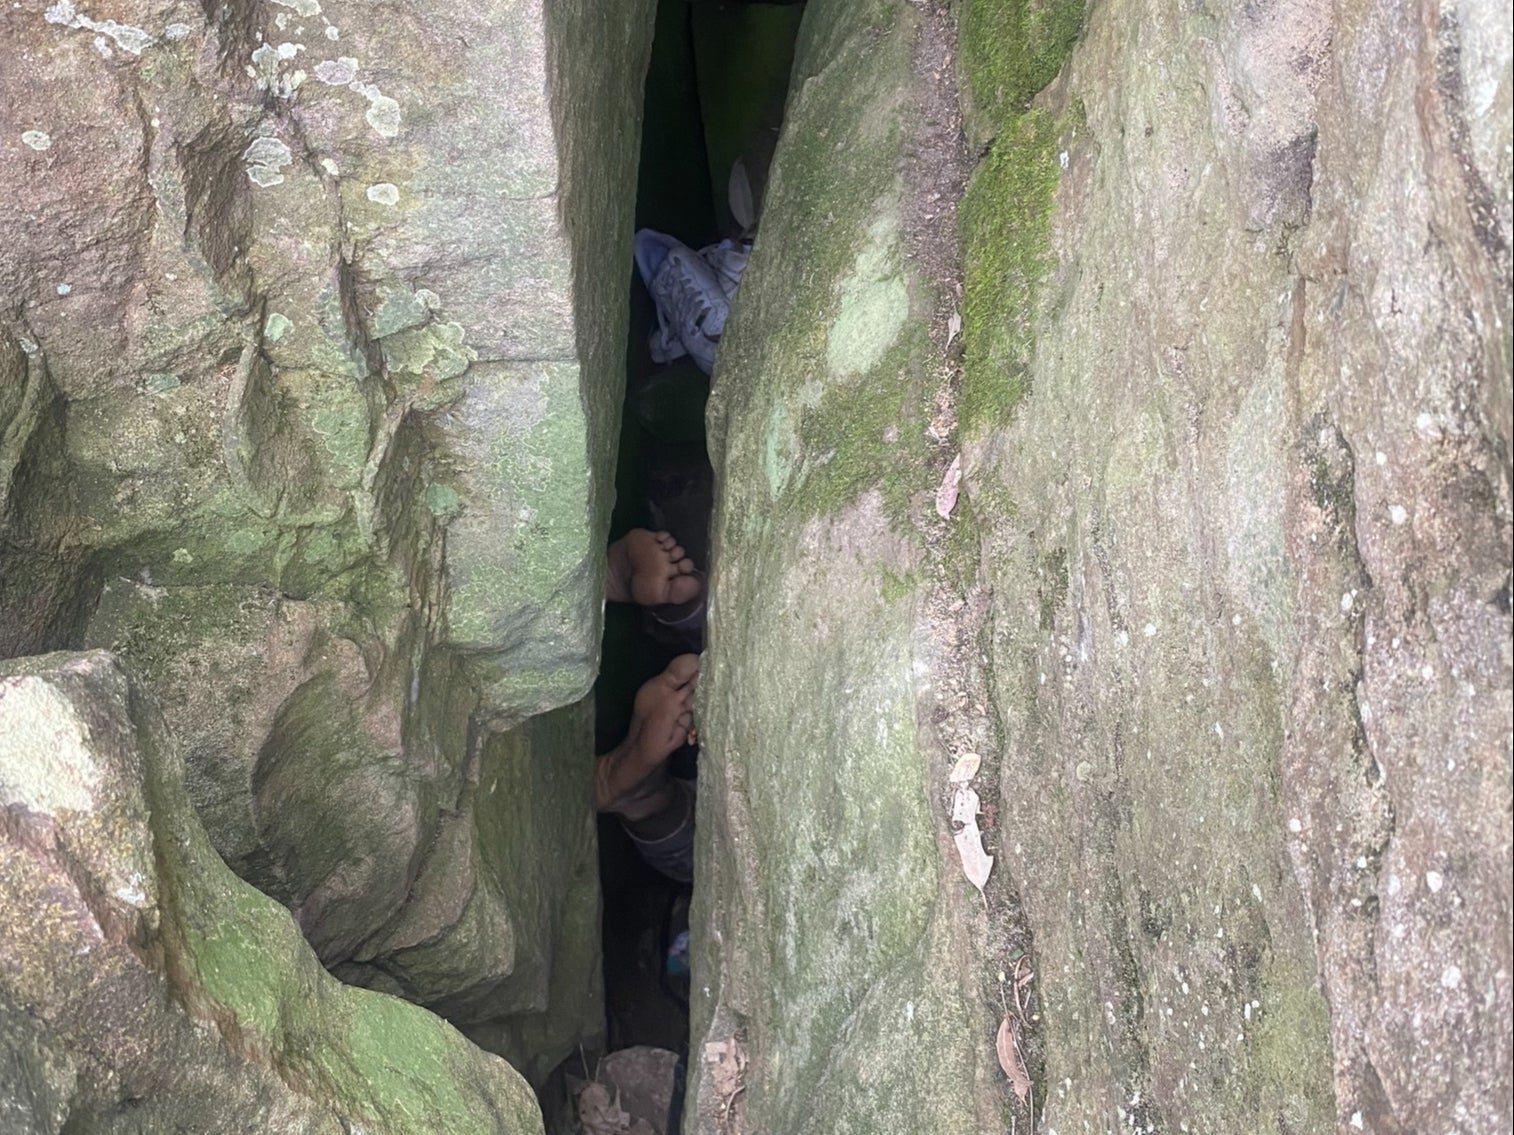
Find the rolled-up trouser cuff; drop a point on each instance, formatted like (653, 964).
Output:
(671, 854)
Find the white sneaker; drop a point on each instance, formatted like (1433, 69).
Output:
(692, 291)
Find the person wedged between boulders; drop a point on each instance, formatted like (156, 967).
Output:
(632, 780)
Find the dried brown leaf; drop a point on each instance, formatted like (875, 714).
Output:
(976, 863)
(965, 769)
(728, 1066)
(599, 1114)
(1011, 1061)
(946, 495)
(965, 806)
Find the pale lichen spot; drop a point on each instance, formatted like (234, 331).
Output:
(399, 310)
(384, 116)
(162, 382)
(301, 7)
(384, 193)
(337, 72)
(126, 37)
(45, 762)
(64, 289)
(383, 112)
(265, 158)
(330, 167)
(37, 139)
(176, 32)
(277, 326)
(332, 34)
(267, 151)
(443, 501)
(780, 444)
(267, 68)
(265, 65)
(874, 303)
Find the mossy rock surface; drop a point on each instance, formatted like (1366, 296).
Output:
(149, 989)
(826, 939)
(1186, 428)
(310, 374)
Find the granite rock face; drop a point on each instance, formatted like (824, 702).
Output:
(831, 928)
(143, 987)
(311, 334)
(1222, 606)
(1244, 500)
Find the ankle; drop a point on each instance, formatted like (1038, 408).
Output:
(672, 815)
(646, 796)
(655, 797)
(618, 572)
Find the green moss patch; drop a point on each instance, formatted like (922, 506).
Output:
(1006, 225)
(1010, 49)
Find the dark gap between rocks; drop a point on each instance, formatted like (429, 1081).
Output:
(716, 87)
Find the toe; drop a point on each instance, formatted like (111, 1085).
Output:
(683, 588)
(683, 669)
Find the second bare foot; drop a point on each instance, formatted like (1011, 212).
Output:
(650, 568)
(632, 779)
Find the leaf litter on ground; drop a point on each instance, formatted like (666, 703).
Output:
(976, 863)
(946, 494)
(965, 769)
(1010, 1059)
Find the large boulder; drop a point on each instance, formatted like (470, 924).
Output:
(1221, 614)
(144, 987)
(830, 992)
(311, 360)
(1238, 373)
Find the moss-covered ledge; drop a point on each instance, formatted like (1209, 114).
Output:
(146, 988)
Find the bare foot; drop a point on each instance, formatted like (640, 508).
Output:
(632, 780)
(649, 568)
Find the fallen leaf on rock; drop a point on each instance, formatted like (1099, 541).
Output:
(728, 1071)
(976, 863)
(965, 806)
(1011, 1061)
(965, 769)
(946, 495)
(598, 1114)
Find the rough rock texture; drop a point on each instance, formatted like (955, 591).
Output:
(311, 326)
(1238, 445)
(1227, 613)
(828, 945)
(144, 988)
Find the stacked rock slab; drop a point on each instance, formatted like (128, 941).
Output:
(1237, 437)
(829, 957)
(143, 987)
(1231, 560)
(311, 321)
